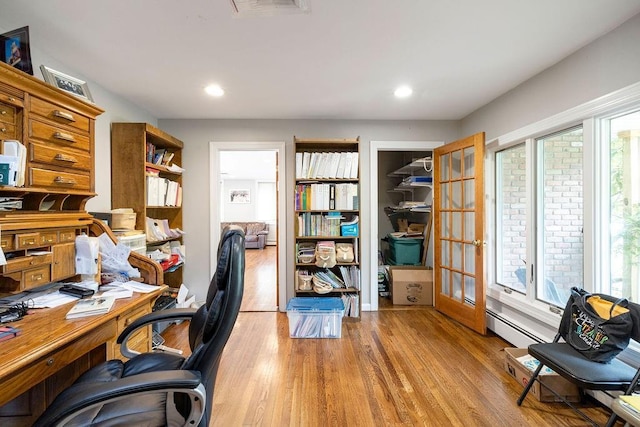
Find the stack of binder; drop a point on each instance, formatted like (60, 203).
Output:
(342, 165)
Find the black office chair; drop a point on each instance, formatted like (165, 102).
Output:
(162, 389)
(577, 369)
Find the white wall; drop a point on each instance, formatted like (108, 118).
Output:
(197, 134)
(239, 211)
(608, 64)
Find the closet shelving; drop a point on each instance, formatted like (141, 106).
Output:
(415, 179)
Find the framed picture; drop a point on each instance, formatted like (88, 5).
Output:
(15, 49)
(67, 83)
(239, 196)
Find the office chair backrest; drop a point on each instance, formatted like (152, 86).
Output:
(211, 326)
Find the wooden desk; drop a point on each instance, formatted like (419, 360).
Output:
(52, 352)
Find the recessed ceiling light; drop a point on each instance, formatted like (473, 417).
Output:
(214, 90)
(403, 92)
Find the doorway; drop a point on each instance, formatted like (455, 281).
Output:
(246, 188)
(376, 210)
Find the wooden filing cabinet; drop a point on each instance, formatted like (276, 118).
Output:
(57, 130)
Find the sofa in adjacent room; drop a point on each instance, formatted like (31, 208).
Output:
(255, 233)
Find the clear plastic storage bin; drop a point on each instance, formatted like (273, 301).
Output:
(315, 317)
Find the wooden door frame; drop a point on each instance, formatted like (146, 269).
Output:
(374, 148)
(214, 196)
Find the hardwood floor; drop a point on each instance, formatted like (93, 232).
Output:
(405, 366)
(260, 289)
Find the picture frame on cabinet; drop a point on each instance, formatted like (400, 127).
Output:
(16, 49)
(63, 81)
(239, 196)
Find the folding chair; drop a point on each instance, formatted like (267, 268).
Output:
(586, 374)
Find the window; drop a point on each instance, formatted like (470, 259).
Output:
(553, 176)
(266, 201)
(560, 216)
(511, 203)
(623, 135)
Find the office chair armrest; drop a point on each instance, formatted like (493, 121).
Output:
(84, 396)
(149, 319)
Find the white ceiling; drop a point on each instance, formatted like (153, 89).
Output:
(340, 61)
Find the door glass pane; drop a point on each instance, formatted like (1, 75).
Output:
(445, 252)
(456, 225)
(456, 164)
(624, 221)
(456, 196)
(469, 289)
(444, 195)
(469, 226)
(446, 283)
(469, 161)
(511, 217)
(469, 194)
(469, 258)
(456, 256)
(561, 181)
(456, 278)
(445, 225)
(444, 167)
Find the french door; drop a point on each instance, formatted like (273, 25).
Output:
(458, 211)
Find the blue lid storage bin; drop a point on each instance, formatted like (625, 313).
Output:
(315, 317)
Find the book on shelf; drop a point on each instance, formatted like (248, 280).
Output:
(91, 307)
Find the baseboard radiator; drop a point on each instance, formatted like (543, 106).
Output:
(510, 331)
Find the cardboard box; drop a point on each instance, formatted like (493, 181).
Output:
(411, 285)
(522, 374)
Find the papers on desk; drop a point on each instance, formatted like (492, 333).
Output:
(91, 307)
(52, 299)
(131, 286)
(139, 287)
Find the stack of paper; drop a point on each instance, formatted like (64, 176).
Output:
(91, 307)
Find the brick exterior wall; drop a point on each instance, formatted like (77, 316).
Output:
(563, 211)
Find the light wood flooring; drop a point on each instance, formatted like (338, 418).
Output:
(407, 366)
(260, 291)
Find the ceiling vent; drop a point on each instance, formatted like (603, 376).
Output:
(269, 7)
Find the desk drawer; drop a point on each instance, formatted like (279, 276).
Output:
(22, 263)
(48, 237)
(56, 360)
(59, 180)
(28, 240)
(7, 114)
(67, 235)
(7, 131)
(140, 341)
(58, 157)
(6, 242)
(58, 114)
(48, 133)
(11, 95)
(37, 276)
